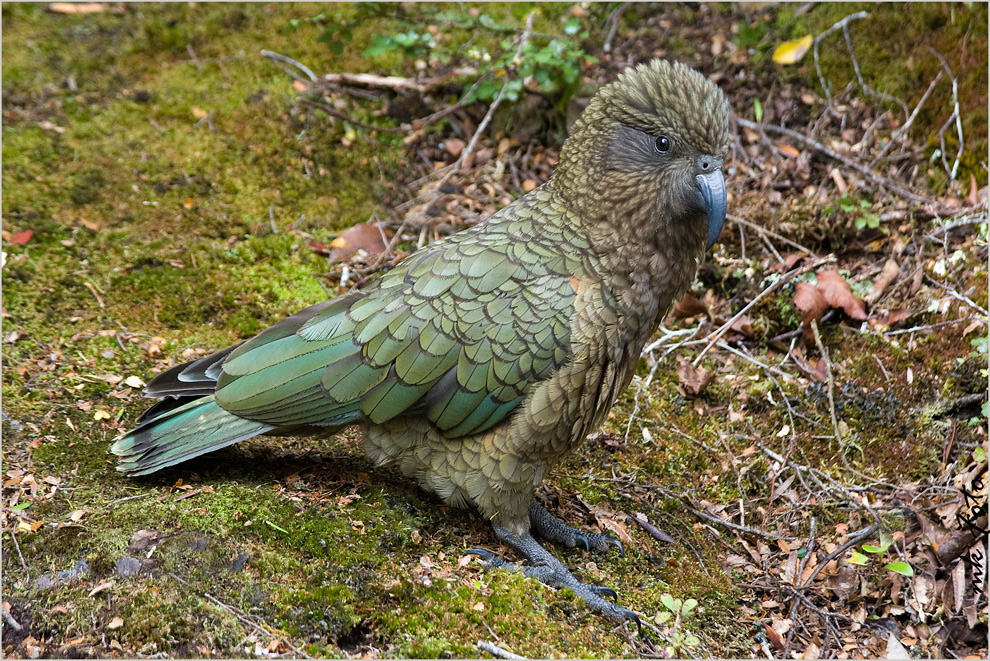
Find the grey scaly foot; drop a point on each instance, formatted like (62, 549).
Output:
(554, 530)
(550, 571)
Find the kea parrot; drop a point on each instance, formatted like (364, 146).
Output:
(480, 361)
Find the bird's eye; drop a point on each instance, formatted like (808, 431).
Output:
(662, 144)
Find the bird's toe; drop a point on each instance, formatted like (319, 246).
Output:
(612, 541)
(582, 539)
(603, 591)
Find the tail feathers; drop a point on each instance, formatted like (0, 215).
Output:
(185, 432)
(195, 378)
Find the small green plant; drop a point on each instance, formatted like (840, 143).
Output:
(757, 110)
(860, 211)
(680, 641)
(412, 43)
(886, 541)
(548, 64)
(555, 67)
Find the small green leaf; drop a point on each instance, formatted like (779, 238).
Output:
(22, 506)
(902, 568)
(758, 110)
(572, 25)
(689, 605)
(869, 548)
(667, 601)
(662, 617)
(858, 558)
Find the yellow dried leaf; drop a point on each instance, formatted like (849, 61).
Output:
(791, 52)
(101, 415)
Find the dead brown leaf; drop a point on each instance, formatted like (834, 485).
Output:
(453, 146)
(694, 379)
(810, 301)
(788, 150)
(689, 306)
(890, 318)
(615, 528)
(363, 236)
(775, 638)
(891, 269)
(839, 294)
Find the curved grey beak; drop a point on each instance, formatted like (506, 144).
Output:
(712, 187)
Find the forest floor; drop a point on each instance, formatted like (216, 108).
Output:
(799, 469)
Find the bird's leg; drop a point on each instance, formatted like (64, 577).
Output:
(554, 530)
(550, 571)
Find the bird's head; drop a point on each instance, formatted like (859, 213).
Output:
(650, 147)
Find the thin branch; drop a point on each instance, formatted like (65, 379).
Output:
(496, 651)
(717, 335)
(613, 22)
(960, 297)
(523, 39)
(855, 539)
(27, 572)
(333, 112)
(121, 500)
(396, 82)
(840, 25)
(876, 178)
(902, 131)
(728, 524)
(762, 230)
(9, 619)
(859, 74)
(955, 113)
(831, 388)
(915, 329)
(278, 57)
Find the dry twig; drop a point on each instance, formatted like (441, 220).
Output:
(876, 178)
(496, 651)
(278, 57)
(839, 25)
(717, 335)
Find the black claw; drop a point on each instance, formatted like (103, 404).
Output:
(618, 544)
(581, 537)
(629, 615)
(486, 556)
(603, 591)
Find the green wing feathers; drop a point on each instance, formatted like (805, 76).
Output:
(458, 333)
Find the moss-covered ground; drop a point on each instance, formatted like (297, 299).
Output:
(161, 196)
